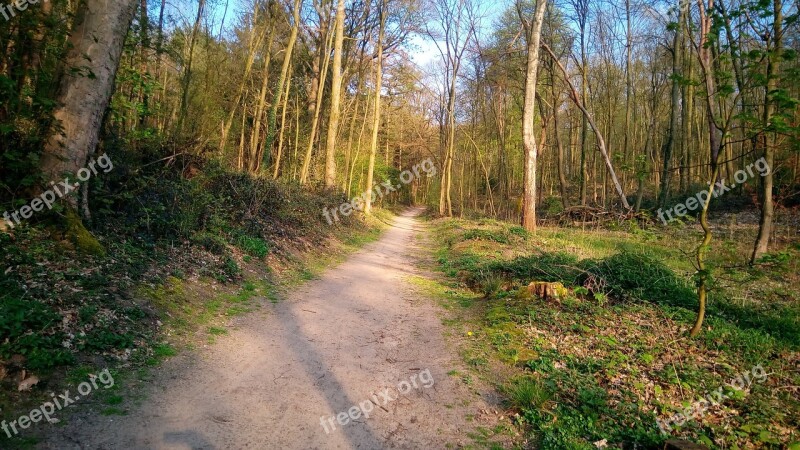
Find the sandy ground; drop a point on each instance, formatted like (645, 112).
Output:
(357, 336)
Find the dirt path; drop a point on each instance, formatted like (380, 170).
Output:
(337, 342)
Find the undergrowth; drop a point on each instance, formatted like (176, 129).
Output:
(164, 227)
(599, 366)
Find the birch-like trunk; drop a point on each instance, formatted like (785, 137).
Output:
(95, 47)
(533, 34)
(377, 118)
(336, 90)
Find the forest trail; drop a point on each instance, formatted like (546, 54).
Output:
(334, 343)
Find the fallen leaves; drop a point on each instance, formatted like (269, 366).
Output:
(27, 383)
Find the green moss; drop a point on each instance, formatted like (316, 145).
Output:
(81, 237)
(162, 294)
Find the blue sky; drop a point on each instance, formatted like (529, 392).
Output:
(490, 11)
(421, 48)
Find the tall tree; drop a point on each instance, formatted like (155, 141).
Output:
(718, 122)
(672, 141)
(581, 10)
(287, 59)
(456, 28)
(377, 114)
(769, 138)
(254, 42)
(95, 46)
(601, 143)
(336, 89)
(187, 70)
(317, 88)
(533, 35)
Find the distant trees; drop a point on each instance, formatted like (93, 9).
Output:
(630, 96)
(451, 27)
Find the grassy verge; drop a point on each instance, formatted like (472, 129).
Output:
(606, 360)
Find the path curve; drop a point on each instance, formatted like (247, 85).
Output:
(336, 342)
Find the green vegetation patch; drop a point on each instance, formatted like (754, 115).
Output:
(611, 356)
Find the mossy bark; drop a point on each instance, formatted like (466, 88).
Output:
(77, 233)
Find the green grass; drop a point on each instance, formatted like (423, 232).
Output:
(611, 357)
(164, 350)
(253, 246)
(528, 394)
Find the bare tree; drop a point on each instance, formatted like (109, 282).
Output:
(533, 35)
(377, 114)
(601, 143)
(669, 150)
(581, 10)
(455, 20)
(187, 70)
(336, 90)
(287, 59)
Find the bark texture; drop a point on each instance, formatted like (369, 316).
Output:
(95, 46)
(533, 32)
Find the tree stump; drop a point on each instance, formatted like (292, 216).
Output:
(680, 444)
(547, 291)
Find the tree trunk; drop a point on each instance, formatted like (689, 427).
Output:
(773, 72)
(716, 132)
(276, 172)
(95, 47)
(628, 82)
(253, 44)
(144, 42)
(377, 118)
(336, 90)
(533, 32)
(669, 150)
(287, 58)
(187, 71)
(600, 141)
(582, 16)
(316, 109)
(255, 141)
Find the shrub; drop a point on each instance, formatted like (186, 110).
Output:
(550, 267)
(517, 230)
(527, 394)
(552, 206)
(253, 246)
(639, 276)
(490, 284)
(486, 235)
(212, 242)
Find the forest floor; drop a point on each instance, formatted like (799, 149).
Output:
(605, 360)
(303, 372)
